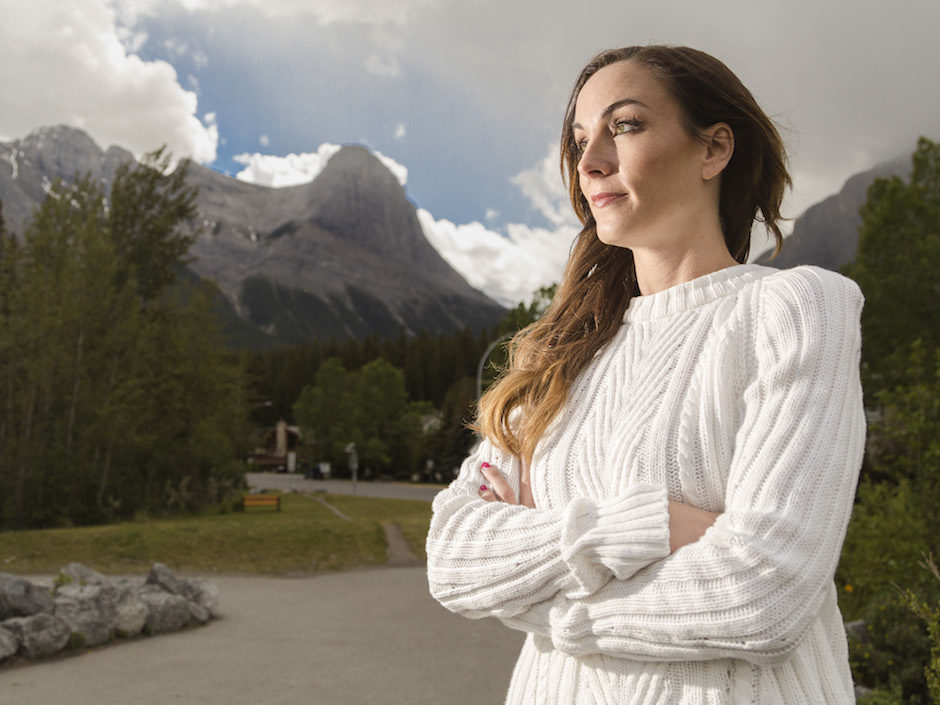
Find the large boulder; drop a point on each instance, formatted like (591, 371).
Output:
(130, 611)
(9, 643)
(83, 575)
(42, 634)
(164, 578)
(196, 590)
(21, 598)
(165, 612)
(202, 593)
(117, 601)
(80, 607)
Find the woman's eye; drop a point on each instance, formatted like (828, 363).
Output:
(623, 126)
(580, 145)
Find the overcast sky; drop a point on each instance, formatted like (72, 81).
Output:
(463, 100)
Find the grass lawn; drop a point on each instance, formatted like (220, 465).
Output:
(305, 537)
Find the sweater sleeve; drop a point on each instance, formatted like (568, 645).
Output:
(495, 559)
(751, 587)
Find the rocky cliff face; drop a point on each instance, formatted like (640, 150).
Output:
(341, 256)
(827, 233)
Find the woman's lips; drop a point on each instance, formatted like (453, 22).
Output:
(599, 200)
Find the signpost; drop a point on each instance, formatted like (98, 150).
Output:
(353, 462)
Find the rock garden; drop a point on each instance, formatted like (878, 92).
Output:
(83, 608)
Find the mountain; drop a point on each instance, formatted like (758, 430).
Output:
(827, 233)
(341, 256)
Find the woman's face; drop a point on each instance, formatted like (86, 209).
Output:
(640, 169)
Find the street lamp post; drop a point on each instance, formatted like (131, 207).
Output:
(353, 459)
(485, 357)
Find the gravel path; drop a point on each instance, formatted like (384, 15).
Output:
(370, 637)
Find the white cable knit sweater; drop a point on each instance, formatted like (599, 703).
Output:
(737, 392)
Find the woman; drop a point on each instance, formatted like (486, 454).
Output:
(669, 463)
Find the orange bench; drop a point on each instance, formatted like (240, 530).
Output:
(262, 500)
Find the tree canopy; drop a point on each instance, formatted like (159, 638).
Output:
(116, 397)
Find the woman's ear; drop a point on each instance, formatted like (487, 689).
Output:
(719, 146)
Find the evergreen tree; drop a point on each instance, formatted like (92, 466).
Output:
(117, 398)
(896, 267)
(368, 408)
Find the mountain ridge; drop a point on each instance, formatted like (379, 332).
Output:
(341, 256)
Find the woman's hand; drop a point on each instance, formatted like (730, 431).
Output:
(687, 524)
(497, 489)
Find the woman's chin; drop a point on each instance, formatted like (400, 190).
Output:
(612, 237)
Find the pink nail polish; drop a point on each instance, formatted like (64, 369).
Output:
(482, 488)
(484, 465)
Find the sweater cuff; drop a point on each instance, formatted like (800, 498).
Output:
(615, 537)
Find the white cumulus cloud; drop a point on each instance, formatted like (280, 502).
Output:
(400, 171)
(276, 171)
(543, 187)
(509, 268)
(69, 62)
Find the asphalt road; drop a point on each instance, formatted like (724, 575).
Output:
(369, 637)
(389, 490)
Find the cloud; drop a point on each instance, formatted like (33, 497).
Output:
(69, 63)
(543, 187)
(275, 171)
(264, 140)
(509, 268)
(400, 171)
(324, 11)
(400, 131)
(387, 66)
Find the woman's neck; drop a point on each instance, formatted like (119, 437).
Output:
(659, 269)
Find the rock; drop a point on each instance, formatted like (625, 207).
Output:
(203, 593)
(9, 643)
(163, 577)
(83, 575)
(197, 590)
(42, 634)
(165, 612)
(21, 598)
(198, 612)
(130, 611)
(81, 608)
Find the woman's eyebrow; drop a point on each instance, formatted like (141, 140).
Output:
(611, 108)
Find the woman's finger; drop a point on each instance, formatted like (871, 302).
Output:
(487, 494)
(497, 483)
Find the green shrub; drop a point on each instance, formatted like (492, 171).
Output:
(929, 612)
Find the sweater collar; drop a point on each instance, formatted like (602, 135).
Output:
(693, 293)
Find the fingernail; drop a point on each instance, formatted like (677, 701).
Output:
(482, 488)
(484, 465)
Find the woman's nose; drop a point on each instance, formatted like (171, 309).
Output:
(597, 159)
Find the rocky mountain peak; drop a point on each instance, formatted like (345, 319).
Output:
(341, 256)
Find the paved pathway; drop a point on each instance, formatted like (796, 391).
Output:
(369, 637)
(389, 490)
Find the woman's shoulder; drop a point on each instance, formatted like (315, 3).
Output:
(809, 283)
(806, 303)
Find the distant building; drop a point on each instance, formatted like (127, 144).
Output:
(275, 446)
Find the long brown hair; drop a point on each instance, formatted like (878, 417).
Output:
(599, 279)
